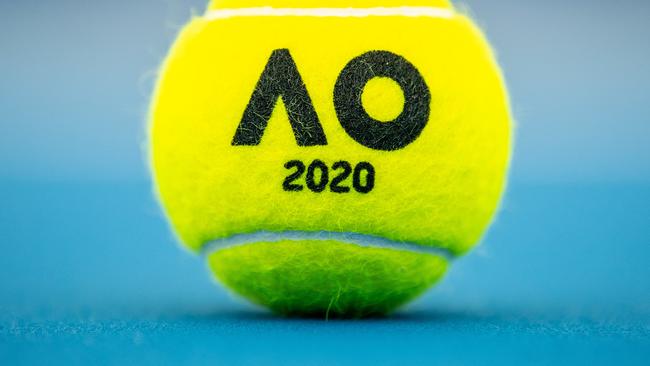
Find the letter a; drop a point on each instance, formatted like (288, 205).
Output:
(280, 78)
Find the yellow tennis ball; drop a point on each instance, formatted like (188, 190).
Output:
(330, 157)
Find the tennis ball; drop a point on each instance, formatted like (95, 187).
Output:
(330, 158)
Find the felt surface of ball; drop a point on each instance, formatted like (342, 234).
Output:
(271, 118)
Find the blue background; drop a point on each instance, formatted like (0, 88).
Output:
(90, 272)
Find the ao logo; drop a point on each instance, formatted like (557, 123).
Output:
(281, 79)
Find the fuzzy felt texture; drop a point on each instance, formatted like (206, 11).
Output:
(326, 278)
(234, 4)
(440, 190)
(229, 135)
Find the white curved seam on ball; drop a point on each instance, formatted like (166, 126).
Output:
(267, 11)
(362, 240)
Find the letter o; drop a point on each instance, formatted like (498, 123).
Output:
(367, 131)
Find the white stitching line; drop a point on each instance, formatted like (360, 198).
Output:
(350, 238)
(267, 11)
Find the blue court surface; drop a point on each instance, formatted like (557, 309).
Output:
(90, 272)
